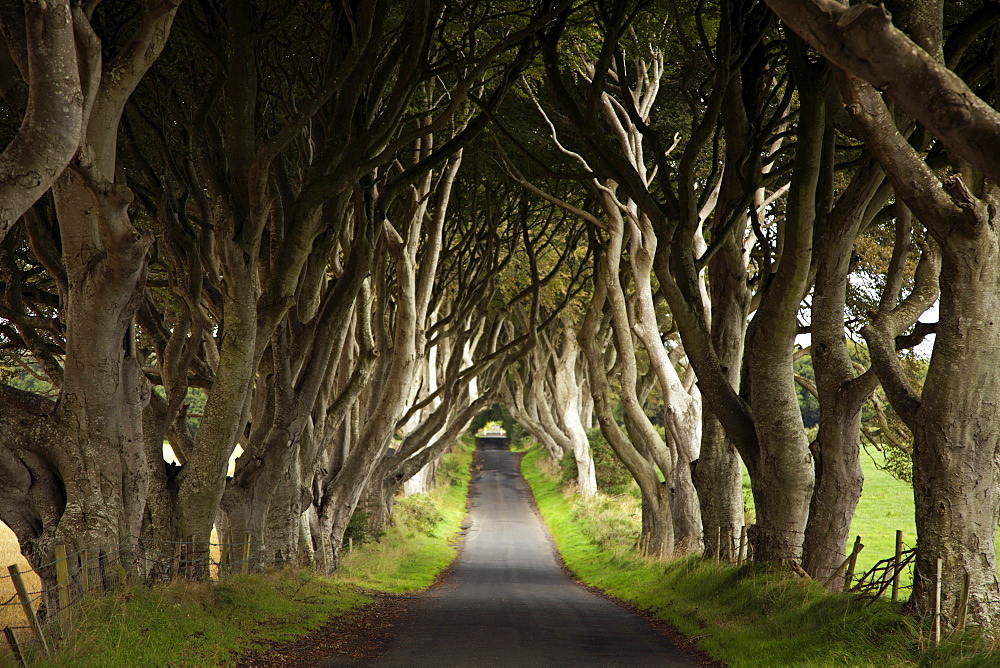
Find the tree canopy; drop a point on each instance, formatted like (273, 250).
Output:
(335, 233)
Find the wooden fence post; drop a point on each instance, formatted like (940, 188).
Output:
(245, 566)
(62, 586)
(895, 564)
(15, 647)
(937, 600)
(963, 604)
(743, 540)
(29, 611)
(852, 562)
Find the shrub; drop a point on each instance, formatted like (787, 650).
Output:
(454, 466)
(360, 530)
(418, 513)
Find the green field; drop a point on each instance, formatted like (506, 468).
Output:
(886, 506)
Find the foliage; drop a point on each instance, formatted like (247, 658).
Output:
(360, 530)
(612, 476)
(498, 413)
(883, 431)
(417, 512)
(454, 468)
(29, 380)
(406, 559)
(808, 404)
(614, 522)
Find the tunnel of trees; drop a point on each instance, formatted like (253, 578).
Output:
(328, 229)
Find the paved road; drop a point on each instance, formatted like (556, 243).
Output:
(507, 603)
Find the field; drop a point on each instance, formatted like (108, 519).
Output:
(886, 506)
(11, 613)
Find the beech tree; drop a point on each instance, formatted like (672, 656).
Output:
(955, 472)
(40, 82)
(276, 189)
(86, 448)
(675, 207)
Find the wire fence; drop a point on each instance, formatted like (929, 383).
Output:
(37, 618)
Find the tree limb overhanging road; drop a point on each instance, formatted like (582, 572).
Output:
(506, 601)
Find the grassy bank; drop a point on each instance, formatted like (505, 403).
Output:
(199, 624)
(741, 616)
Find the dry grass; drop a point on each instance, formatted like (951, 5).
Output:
(11, 613)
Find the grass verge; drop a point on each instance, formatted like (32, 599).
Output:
(199, 623)
(742, 616)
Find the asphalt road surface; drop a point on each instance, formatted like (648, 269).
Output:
(506, 602)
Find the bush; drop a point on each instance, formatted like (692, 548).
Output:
(360, 531)
(418, 513)
(454, 467)
(612, 476)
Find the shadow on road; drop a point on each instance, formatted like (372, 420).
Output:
(507, 602)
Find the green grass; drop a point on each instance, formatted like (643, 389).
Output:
(201, 623)
(197, 624)
(407, 557)
(748, 616)
(886, 506)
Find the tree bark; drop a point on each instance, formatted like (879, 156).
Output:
(717, 472)
(636, 450)
(52, 126)
(842, 394)
(782, 474)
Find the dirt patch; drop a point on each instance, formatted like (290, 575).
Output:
(348, 638)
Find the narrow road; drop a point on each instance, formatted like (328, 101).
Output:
(506, 602)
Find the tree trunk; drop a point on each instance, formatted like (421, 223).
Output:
(376, 503)
(104, 460)
(636, 450)
(202, 479)
(836, 451)
(284, 519)
(954, 421)
(422, 481)
(717, 473)
(52, 126)
(956, 476)
(719, 482)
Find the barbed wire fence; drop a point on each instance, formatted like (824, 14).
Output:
(37, 619)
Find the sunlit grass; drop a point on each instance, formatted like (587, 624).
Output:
(749, 616)
(210, 624)
(886, 505)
